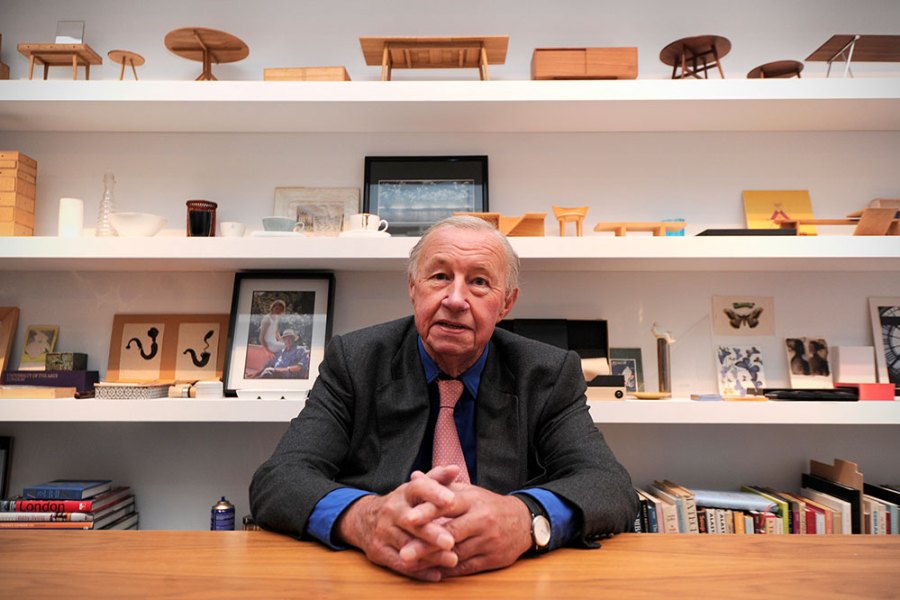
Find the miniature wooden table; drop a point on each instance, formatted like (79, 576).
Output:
(124, 57)
(779, 69)
(475, 52)
(695, 55)
(207, 46)
(60, 55)
(658, 228)
(863, 48)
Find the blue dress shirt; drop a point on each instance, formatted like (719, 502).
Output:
(331, 506)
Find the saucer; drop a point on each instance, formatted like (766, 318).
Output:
(265, 233)
(363, 233)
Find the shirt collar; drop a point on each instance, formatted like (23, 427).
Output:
(471, 378)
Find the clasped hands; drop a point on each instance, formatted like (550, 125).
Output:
(431, 528)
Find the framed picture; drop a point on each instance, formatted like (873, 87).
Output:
(314, 206)
(885, 315)
(167, 348)
(413, 192)
(9, 318)
(628, 363)
(743, 315)
(740, 370)
(6, 443)
(280, 323)
(808, 362)
(39, 340)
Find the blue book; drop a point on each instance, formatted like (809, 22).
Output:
(67, 489)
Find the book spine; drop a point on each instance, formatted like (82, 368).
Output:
(83, 380)
(46, 524)
(51, 493)
(30, 505)
(45, 516)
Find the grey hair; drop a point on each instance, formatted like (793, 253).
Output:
(471, 224)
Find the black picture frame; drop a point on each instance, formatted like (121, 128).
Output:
(413, 192)
(6, 446)
(308, 308)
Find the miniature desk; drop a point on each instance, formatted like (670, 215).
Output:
(658, 228)
(695, 55)
(474, 52)
(207, 46)
(60, 55)
(863, 48)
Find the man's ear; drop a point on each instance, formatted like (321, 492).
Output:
(510, 302)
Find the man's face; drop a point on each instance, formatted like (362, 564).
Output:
(458, 295)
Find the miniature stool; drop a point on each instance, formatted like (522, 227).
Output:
(125, 56)
(570, 215)
(695, 55)
(779, 69)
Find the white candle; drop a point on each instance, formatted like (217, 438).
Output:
(71, 217)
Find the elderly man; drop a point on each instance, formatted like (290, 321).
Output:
(440, 445)
(291, 362)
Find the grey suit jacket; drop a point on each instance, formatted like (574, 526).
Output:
(366, 415)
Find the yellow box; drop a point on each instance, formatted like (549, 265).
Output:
(306, 74)
(18, 185)
(15, 229)
(19, 157)
(17, 216)
(15, 200)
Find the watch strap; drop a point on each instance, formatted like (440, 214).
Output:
(537, 510)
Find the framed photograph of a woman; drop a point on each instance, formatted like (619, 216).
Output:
(280, 323)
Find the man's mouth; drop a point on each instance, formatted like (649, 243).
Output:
(450, 325)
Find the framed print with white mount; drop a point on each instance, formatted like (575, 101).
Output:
(280, 323)
(413, 192)
(885, 315)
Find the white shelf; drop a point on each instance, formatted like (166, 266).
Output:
(591, 253)
(810, 104)
(677, 412)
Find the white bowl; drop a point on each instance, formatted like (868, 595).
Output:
(135, 224)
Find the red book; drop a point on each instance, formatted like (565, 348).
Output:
(89, 505)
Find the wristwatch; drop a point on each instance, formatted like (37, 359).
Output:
(540, 524)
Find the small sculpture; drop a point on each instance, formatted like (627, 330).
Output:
(570, 215)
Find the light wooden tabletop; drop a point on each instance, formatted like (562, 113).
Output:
(258, 564)
(494, 45)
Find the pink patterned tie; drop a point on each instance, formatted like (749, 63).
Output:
(447, 450)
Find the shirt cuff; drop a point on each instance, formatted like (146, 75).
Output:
(559, 512)
(327, 511)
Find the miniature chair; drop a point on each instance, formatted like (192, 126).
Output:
(124, 57)
(696, 55)
(779, 69)
(570, 215)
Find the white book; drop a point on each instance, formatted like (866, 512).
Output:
(677, 503)
(833, 503)
(748, 525)
(877, 515)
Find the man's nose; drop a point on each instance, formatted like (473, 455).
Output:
(457, 295)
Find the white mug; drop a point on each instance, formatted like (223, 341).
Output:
(71, 217)
(367, 222)
(231, 228)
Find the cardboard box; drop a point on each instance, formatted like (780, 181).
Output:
(584, 63)
(306, 74)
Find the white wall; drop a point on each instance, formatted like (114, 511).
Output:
(179, 470)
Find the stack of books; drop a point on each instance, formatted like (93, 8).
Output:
(70, 504)
(832, 499)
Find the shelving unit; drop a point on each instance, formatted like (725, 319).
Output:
(184, 453)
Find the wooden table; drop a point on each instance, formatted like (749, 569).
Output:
(123, 57)
(657, 228)
(472, 52)
(862, 48)
(695, 55)
(60, 55)
(207, 46)
(258, 564)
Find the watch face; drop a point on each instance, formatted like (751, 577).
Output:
(540, 527)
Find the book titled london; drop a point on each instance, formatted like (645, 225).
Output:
(68, 489)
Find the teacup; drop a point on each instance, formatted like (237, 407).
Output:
(282, 224)
(231, 229)
(367, 222)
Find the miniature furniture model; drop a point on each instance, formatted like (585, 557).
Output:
(570, 215)
(658, 228)
(584, 63)
(779, 69)
(695, 55)
(474, 52)
(863, 48)
(529, 224)
(870, 221)
(123, 57)
(207, 46)
(60, 55)
(306, 74)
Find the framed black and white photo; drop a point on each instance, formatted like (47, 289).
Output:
(280, 323)
(413, 192)
(885, 315)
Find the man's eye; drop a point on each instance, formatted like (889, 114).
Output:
(480, 281)
(440, 276)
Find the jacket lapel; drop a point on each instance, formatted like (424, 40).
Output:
(500, 431)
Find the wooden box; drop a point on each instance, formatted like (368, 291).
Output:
(18, 182)
(306, 74)
(584, 63)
